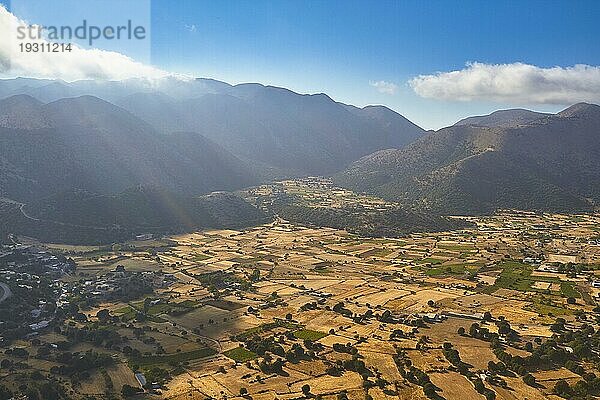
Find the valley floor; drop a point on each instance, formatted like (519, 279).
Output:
(260, 313)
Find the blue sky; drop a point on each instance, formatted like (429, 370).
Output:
(343, 47)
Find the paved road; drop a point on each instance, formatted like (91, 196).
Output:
(5, 292)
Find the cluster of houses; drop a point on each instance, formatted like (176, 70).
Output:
(114, 283)
(24, 257)
(33, 274)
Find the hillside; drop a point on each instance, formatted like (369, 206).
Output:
(90, 144)
(73, 162)
(147, 208)
(547, 164)
(297, 134)
(88, 218)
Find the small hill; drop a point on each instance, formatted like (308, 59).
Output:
(83, 217)
(503, 118)
(21, 111)
(147, 208)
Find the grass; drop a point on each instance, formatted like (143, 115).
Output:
(307, 334)
(187, 304)
(396, 242)
(568, 290)
(201, 257)
(240, 354)
(267, 327)
(166, 308)
(320, 268)
(456, 247)
(224, 304)
(174, 358)
(376, 252)
(129, 313)
(159, 308)
(126, 313)
(546, 309)
(516, 276)
(444, 254)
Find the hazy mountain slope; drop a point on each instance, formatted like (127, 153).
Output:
(549, 164)
(87, 143)
(156, 108)
(21, 111)
(302, 134)
(283, 132)
(503, 118)
(16, 86)
(73, 157)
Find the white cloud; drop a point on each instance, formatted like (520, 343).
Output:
(384, 87)
(69, 66)
(512, 83)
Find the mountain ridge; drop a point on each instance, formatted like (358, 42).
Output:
(547, 164)
(503, 118)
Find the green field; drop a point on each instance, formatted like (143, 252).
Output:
(307, 334)
(568, 290)
(546, 309)
(201, 257)
(376, 252)
(456, 247)
(240, 354)
(267, 327)
(166, 308)
(517, 276)
(126, 313)
(174, 358)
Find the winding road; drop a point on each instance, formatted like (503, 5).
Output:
(22, 209)
(5, 292)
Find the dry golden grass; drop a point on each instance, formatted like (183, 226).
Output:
(454, 386)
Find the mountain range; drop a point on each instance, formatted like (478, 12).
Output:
(279, 133)
(79, 151)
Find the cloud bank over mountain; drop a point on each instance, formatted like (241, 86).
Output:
(384, 87)
(515, 83)
(70, 66)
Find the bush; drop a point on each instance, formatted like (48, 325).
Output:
(129, 390)
(529, 379)
(306, 389)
